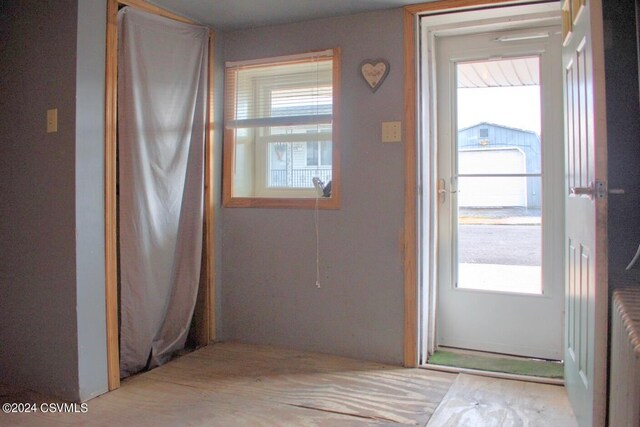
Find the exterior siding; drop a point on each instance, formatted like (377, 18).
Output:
(501, 137)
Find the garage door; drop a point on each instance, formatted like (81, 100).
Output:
(484, 192)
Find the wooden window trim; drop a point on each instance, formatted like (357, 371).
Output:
(228, 161)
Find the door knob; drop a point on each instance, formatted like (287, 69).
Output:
(596, 189)
(442, 190)
(582, 191)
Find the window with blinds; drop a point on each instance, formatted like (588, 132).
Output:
(280, 121)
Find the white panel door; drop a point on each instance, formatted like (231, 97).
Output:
(586, 226)
(500, 278)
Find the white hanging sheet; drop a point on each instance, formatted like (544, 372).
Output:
(162, 94)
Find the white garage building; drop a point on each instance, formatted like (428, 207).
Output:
(509, 151)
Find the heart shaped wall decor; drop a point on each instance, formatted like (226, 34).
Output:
(374, 71)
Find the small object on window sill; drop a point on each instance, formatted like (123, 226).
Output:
(318, 185)
(326, 191)
(322, 190)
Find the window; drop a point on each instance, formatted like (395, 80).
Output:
(280, 131)
(319, 153)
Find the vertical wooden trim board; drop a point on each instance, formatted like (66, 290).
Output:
(209, 197)
(111, 243)
(411, 288)
(410, 238)
(602, 243)
(336, 141)
(206, 333)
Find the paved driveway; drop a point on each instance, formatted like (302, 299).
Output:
(500, 244)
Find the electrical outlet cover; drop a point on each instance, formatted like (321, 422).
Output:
(391, 131)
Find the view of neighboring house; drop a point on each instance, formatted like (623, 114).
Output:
(295, 164)
(298, 154)
(517, 154)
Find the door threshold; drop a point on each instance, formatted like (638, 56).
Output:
(492, 374)
(497, 362)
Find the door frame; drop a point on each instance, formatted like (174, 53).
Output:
(205, 305)
(414, 301)
(415, 304)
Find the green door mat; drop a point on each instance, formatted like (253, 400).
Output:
(535, 368)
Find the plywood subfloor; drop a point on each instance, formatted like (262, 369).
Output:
(490, 402)
(238, 385)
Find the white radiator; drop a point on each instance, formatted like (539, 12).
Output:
(624, 385)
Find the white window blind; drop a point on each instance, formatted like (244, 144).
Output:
(284, 91)
(279, 120)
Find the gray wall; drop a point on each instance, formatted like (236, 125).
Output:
(623, 139)
(90, 79)
(268, 255)
(38, 328)
(52, 253)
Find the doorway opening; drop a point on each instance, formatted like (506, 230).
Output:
(201, 326)
(492, 221)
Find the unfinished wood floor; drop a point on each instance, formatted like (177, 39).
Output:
(492, 402)
(243, 385)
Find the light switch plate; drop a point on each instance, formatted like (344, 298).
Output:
(391, 131)
(52, 120)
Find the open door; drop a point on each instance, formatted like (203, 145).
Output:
(586, 209)
(586, 295)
